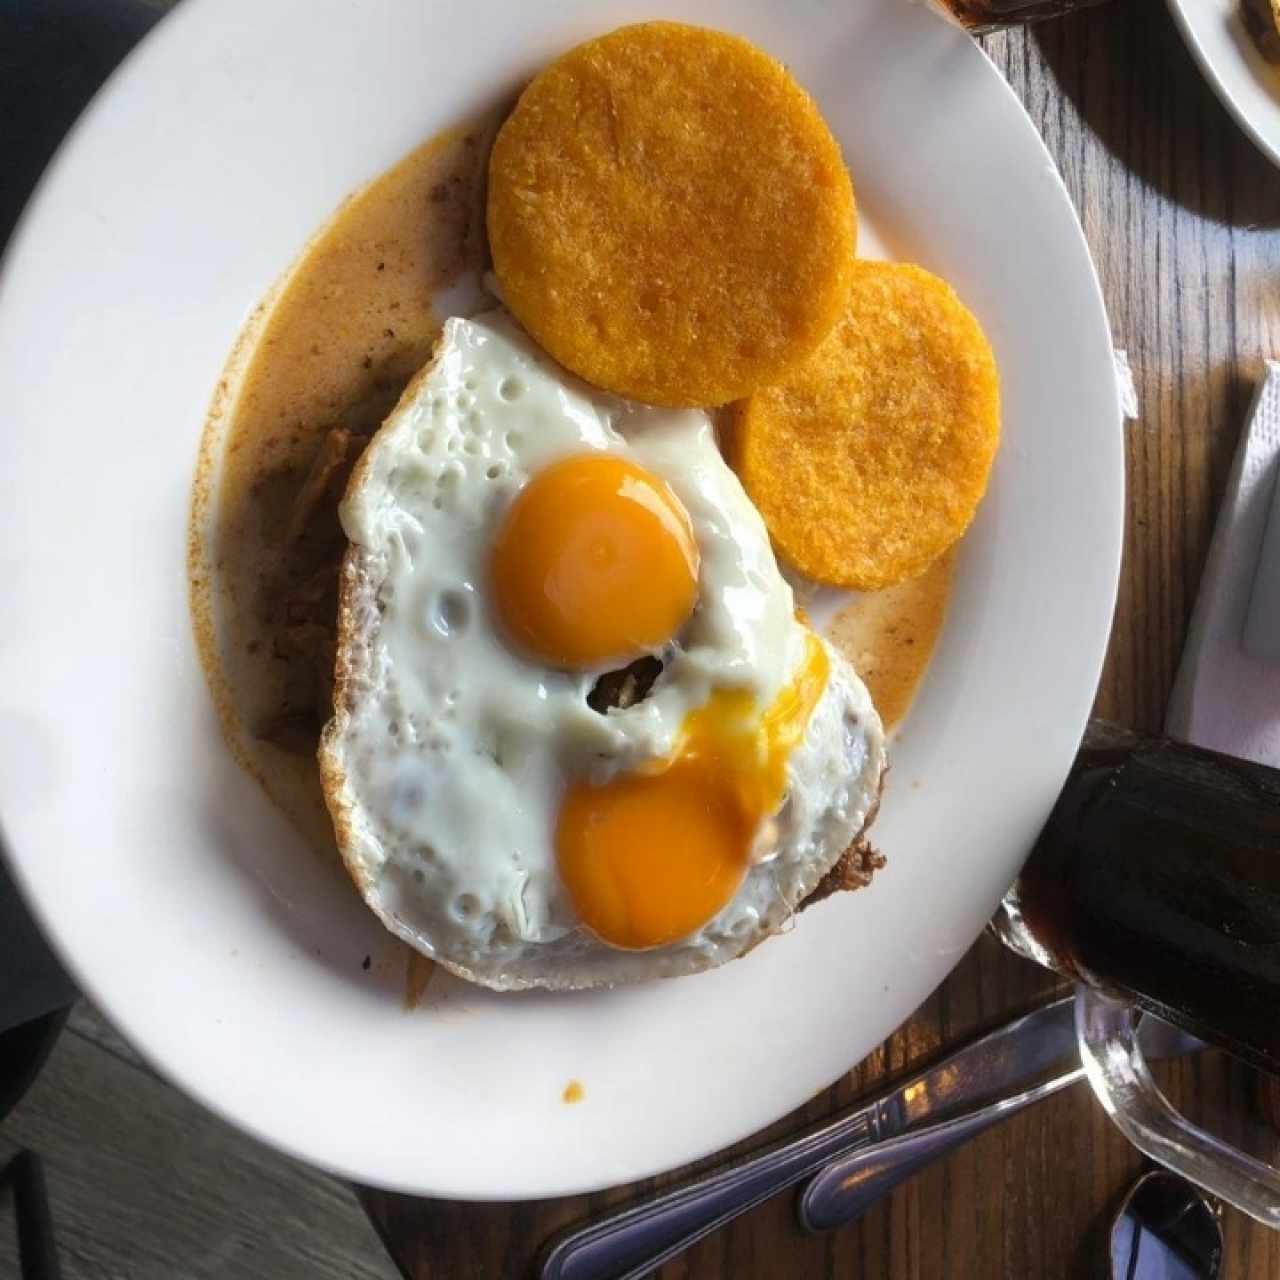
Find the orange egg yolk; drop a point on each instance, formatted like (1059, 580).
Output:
(595, 563)
(649, 857)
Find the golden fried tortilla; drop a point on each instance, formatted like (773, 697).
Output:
(670, 216)
(869, 460)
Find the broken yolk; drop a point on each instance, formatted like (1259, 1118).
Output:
(650, 856)
(595, 563)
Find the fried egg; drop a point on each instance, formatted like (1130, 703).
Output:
(516, 537)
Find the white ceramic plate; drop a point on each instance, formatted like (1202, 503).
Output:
(185, 905)
(1247, 84)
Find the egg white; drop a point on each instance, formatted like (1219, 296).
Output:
(449, 752)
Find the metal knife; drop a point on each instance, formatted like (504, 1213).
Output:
(981, 1078)
(847, 1187)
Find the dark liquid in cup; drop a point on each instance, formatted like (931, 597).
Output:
(1158, 877)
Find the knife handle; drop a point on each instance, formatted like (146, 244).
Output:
(630, 1244)
(845, 1189)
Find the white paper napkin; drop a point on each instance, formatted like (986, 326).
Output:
(1224, 698)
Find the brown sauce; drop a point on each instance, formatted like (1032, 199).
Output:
(321, 363)
(418, 972)
(889, 636)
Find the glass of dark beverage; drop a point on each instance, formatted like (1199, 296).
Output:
(1156, 885)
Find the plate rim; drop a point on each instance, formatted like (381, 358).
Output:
(1188, 25)
(39, 907)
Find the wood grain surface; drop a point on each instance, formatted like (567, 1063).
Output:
(1183, 217)
(145, 1184)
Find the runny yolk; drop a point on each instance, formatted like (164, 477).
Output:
(651, 856)
(595, 563)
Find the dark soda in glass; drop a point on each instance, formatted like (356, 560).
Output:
(1157, 878)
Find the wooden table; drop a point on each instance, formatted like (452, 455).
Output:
(1183, 217)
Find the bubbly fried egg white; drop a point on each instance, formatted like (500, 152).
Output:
(516, 534)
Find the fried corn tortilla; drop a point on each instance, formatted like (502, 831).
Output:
(869, 460)
(670, 216)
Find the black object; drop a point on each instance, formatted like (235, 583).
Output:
(37, 1253)
(1165, 1229)
(23, 1050)
(32, 982)
(53, 56)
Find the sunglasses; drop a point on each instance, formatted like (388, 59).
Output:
(1165, 1229)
